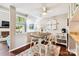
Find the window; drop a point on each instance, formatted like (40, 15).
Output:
(51, 25)
(20, 24)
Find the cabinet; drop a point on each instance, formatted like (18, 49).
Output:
(4, 34)
(61, 38)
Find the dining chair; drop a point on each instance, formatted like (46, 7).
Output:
(54, 50)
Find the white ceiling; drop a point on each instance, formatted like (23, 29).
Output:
(34, 9)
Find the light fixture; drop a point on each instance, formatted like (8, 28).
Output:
(44, 9)
(44, 13)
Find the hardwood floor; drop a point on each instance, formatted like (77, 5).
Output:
(64, 51)
(4, 50)
(21, 49)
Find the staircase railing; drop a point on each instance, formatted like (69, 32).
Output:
(72, 47)
(72, 9)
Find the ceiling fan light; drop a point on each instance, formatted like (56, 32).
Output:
(44, 13)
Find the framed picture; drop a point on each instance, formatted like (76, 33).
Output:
(31, 26)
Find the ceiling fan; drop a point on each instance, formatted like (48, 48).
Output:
(45, 9)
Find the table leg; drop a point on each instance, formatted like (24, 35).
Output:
(39, 46)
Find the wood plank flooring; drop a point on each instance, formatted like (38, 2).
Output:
(64, 51)
(4, 50)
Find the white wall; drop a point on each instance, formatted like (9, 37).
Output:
(61, 20)
(31, 20)
(4, 16)
(20, 39)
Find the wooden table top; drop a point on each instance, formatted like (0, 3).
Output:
(39, 35)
